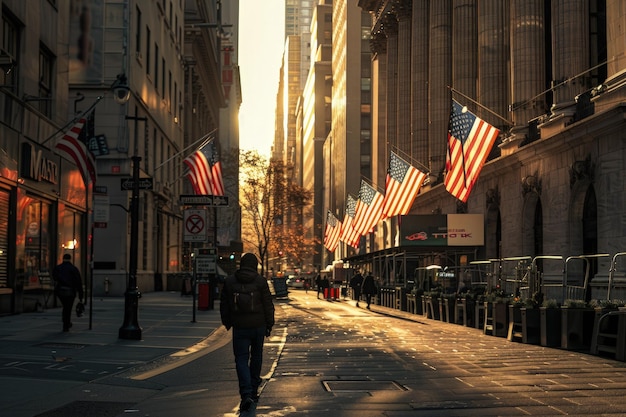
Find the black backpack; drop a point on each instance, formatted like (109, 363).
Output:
(247, 298)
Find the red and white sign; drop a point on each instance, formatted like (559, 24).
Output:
(194, 225)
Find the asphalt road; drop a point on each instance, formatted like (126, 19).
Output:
(332, 359)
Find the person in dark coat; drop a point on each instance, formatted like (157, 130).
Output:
(246, 306)
(67, 283)
(369, 289)
(318, 284)
(355, 283)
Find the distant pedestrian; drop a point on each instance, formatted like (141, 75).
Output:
(67, 283)
(369, 289)
(326, 287)
(246, 306)
(318, 284)
(355, 283)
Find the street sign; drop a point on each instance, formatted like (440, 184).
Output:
(205, 263)
(204, 200)
(144, 184)
(195, 227)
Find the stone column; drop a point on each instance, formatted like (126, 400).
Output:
(493, 57)
(380, 161)
(570, 53)
(464, 50)
(419, 84)
(527, 66)
(440, 78)
(402, 10)
(390, 26)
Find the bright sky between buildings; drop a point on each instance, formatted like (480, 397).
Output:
(261, 45)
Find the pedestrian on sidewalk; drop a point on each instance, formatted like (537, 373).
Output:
(67, 283)
(355, 283)
(318, 284)
(369, 289)
(246, 306)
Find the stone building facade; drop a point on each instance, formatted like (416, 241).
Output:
(550, 76)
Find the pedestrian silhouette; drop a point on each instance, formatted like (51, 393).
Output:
(246, 306)
(369, 289)
(68, 284)
(355, 283)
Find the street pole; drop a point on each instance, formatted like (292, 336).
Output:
(130, 328)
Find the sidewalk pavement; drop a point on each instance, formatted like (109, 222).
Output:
(33, 344)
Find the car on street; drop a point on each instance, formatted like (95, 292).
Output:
(295, 282)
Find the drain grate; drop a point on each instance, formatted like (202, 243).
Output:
(362, 386)
(59, 345)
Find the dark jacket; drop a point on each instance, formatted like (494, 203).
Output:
(356, 282)
(66, 276)
(246, 280)
(369, 286)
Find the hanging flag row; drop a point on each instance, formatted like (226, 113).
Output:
(470, 140)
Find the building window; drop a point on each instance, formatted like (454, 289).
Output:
(147, 50)
(138, 34)
(163, 78)
(46, 80)
(156, 66)
(11, 31)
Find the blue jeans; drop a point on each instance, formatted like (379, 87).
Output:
(248, 350)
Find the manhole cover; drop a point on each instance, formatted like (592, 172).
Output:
(60, 345)
(362, 386)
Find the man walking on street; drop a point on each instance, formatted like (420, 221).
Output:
(246, 306)
(67, 284)
(369, 289)
(355, 283)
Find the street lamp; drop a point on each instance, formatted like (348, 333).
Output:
(130, 328)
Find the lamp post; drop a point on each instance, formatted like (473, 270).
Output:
(130, 328)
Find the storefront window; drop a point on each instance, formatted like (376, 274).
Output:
(33, 239)
(4, 238)
(69, 234)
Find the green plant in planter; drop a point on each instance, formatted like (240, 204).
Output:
(569, 303)
(550, 303)
(607, 304)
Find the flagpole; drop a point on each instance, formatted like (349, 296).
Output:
(507, 121)
(203, 138)
(73, 120)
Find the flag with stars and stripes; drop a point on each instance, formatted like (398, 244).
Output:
(332, 232)
(71, 146)
(369, 209)
(470, 140)
(348, 235)
(402, 185)
(205, 170)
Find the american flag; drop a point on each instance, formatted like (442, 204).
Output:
(369, 209)
(402, 185)
(469, 142)
(205, 170)
(348, 235)
(216, 169)
(71, 146)
(332, 233)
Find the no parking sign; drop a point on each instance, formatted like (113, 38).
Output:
(195, 227)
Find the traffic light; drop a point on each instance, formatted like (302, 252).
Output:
(232, 256)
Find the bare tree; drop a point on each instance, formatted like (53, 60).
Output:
(259, 211)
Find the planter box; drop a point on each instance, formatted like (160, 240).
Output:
(496, 318)
(577, 328)
(550, 327)
(514, 333)
(531, 325)
(431, 307)
(464, 312)
(446, 309)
